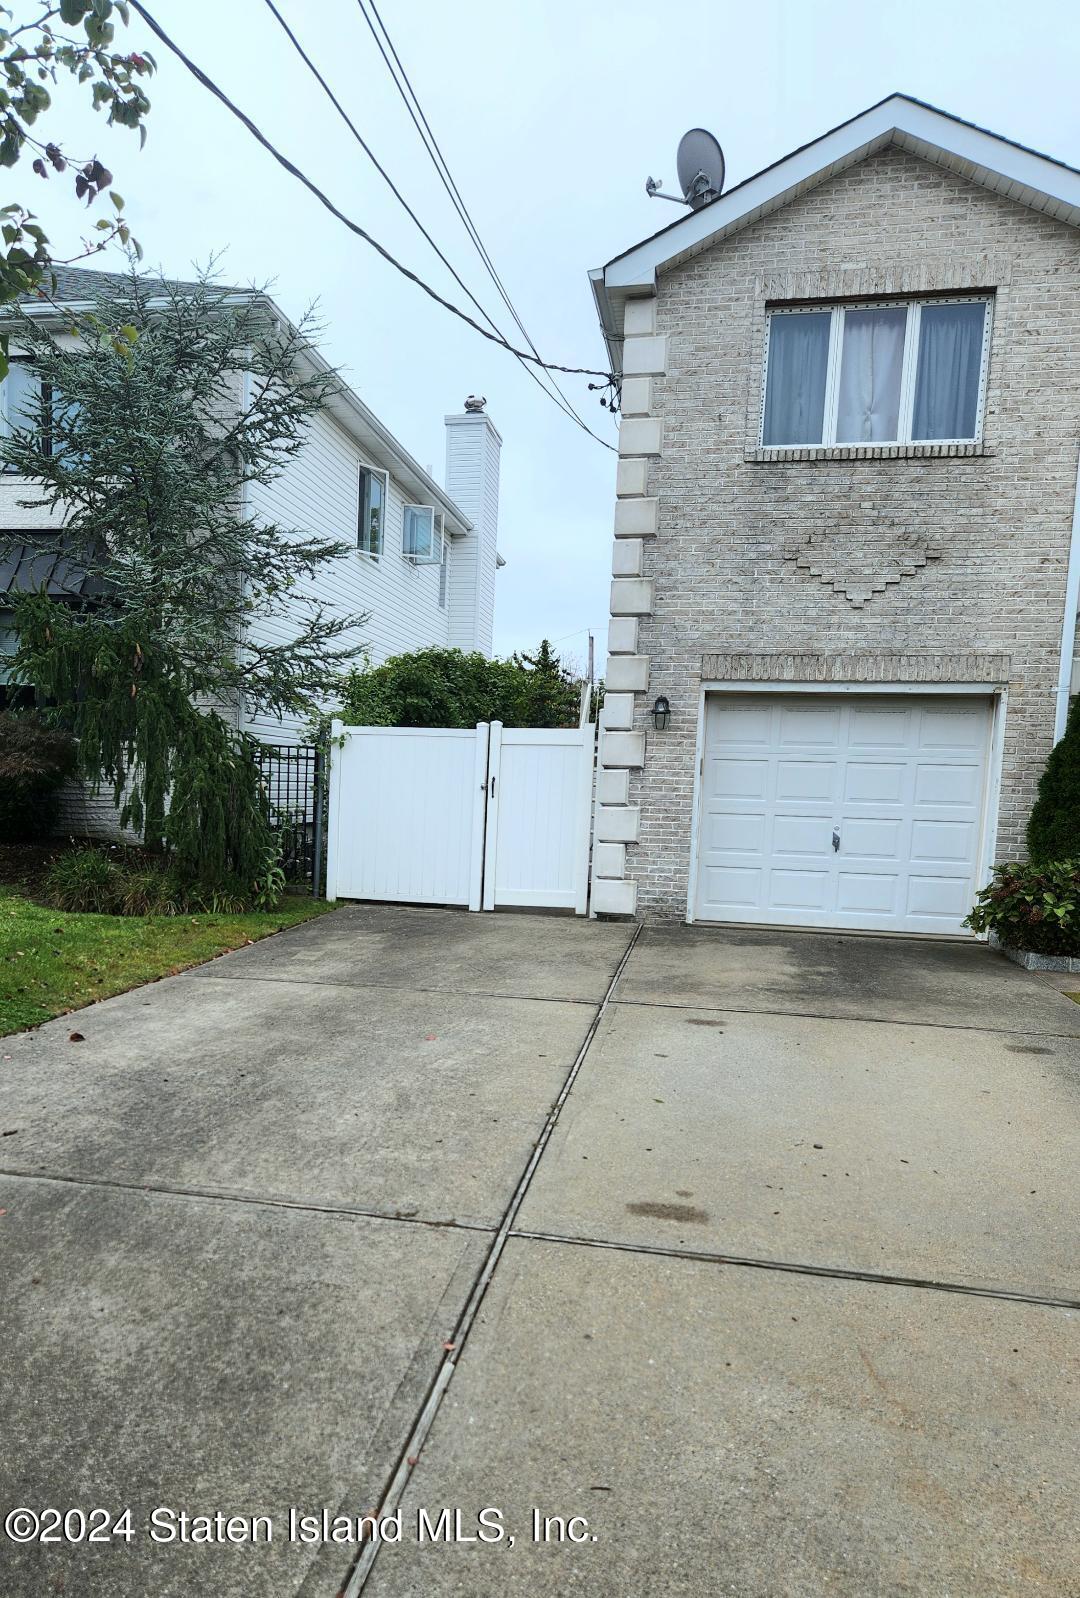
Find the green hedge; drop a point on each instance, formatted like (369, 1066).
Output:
(1054, 828)
(448, 688)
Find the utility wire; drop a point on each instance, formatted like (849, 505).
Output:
(354, 227)
(438, 160)
(558, 398)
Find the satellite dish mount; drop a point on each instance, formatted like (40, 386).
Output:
(700, 163)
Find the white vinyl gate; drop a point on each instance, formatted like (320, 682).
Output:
(483, 816)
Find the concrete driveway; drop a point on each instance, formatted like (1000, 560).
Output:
(756, 1251)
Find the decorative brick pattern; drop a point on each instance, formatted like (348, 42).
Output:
(959, 669)
(860, 564)
(730, 603)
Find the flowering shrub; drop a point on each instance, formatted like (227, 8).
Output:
(1035, 907)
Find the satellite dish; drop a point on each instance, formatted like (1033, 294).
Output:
(700, 164)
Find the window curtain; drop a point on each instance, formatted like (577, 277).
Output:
(950, 362)
(868, 410)
(795, 390)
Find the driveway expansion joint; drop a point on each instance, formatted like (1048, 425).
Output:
(800, 1268)
(411, 1448)
(221, 1195)
(390, 987)
(816, 1015)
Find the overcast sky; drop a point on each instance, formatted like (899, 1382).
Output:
(551, 114)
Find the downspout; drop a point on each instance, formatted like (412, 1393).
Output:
(1068, 623)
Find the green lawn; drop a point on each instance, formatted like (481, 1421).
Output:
(51, 961)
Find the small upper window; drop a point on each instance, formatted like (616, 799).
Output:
(906, 372)
(22, 401)
(421, 537)
(369, 536)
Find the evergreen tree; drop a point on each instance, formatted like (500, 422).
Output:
(1054, 828)
(549, 697)
(146, 443)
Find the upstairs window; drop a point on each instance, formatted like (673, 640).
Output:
(421, 536)
(22, 396)
(907, 372)
(369, 537)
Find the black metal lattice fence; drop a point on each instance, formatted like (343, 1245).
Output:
(293, 783)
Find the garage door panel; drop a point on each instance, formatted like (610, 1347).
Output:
(805, 726)
(802, 835)
(867, 892)
(872, 839)
(732, 832)
(739, 778)
(943, 840)
(879, 729)
(941, 897)
(939, 784)
(743, 724)
(734, 887)
(953, 728)
(901, 782)
(881, 782)
(799, 890)
(806, 779)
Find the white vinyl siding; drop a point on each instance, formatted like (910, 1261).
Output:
(472, 480)
(882, 372)
(318, 493)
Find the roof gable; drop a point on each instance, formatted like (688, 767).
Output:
(985, 158)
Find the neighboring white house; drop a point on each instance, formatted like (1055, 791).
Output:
(423, 558)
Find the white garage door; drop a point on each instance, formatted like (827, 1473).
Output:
(842, 811)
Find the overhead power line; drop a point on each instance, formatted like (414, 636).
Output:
(347, 221)
(558, 398)
(411, 99)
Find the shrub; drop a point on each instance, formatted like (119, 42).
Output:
(1032, 907)
(1054, 828)
(34, 761)
(448, 688)
(132, 883)
(150, 890)
(85, 880)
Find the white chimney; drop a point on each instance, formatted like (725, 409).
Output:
(473, 446)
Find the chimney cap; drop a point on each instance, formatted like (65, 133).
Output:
(475, 402)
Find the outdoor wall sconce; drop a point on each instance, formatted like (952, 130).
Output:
(661, 710)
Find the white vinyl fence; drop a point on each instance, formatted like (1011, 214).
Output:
(485, 817)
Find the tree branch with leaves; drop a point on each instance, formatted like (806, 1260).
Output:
(35, 56)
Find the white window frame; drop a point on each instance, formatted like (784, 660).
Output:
(363, 469)
(435, 555)
(837, 311)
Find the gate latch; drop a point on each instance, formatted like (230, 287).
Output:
(836, 840)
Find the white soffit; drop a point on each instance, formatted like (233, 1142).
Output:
(985, 158)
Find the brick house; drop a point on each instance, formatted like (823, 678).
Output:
(846, 535)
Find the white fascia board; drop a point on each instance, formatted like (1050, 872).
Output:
(1024, 175)
(610, 318)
